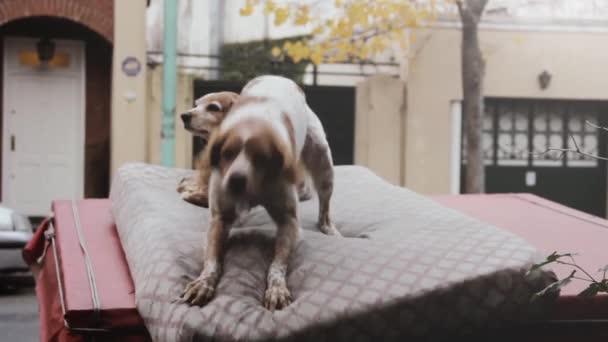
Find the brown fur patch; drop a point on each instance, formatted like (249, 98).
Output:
(225, 98)
(266, 150)
(233, 144)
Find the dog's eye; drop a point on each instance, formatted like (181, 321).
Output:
(212, 107)
(228, 155)
(260, 160)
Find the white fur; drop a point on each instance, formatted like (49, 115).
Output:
(284, 96)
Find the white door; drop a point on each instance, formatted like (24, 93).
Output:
(43, 127)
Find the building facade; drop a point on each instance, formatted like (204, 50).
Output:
(73, 89)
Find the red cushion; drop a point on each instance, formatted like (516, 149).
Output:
(110, 269)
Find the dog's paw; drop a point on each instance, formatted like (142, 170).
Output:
(277, 297)
(329, 229)
(184, 184)
(304, 192)
(191, 192)
(187, 184)
(197, 198)
(199, 291)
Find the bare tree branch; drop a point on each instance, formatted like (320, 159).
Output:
(459, 4)
(477, 7)
(577, 149)
(596, 126)
(574, 142)
(471, 10)
(583, 279)
(578, 267)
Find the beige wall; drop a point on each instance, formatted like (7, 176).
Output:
(577, 61)
(379, 126)
(128, 138)
(183, 139)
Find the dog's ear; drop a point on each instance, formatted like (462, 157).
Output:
(282, 161)
(214, 150)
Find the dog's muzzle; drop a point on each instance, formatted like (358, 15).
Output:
(237, 183)
(186, 118)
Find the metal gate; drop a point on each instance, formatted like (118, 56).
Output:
(512, 128)
(334, 105)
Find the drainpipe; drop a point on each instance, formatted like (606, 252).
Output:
(167, 147)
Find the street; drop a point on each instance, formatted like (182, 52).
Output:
(18, 315)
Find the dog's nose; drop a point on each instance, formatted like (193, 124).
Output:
(186, 117)
(237, 183)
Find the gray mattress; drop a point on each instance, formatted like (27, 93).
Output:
(407, 267)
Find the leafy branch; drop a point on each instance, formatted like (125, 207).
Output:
(596, 285)
(357, 30)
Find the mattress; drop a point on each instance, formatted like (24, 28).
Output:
(406, 266)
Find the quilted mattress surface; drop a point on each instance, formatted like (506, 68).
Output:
(407, 267)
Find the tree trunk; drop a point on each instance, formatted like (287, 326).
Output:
(473, 70)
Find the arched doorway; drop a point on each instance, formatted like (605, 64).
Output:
(80, 170)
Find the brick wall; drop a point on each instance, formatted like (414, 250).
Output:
(98, 15)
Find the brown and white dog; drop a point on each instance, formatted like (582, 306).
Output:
(202, 120)
(208, 113)
(254, 158)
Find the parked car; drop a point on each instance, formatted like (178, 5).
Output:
(15, 231)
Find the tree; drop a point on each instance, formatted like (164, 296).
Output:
(356, 31)
(360, 29)
(473, 70)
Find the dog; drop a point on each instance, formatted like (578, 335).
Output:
(207, 114)
(253, 157)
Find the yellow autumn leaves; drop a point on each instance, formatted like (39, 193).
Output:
(300, 50)
(281, 13)
(359, 29)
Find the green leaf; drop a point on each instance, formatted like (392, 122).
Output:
(591, 290)
(556, 286)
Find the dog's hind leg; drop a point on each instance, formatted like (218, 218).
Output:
(317, 158)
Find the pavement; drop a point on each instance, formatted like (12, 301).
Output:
(18, 315)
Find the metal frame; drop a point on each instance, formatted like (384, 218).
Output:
(315, 70)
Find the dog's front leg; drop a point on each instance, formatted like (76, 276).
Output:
(193, 189)
(201, 290)
(277, 295)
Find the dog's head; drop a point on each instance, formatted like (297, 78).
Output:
(208, 113)
(250, 156)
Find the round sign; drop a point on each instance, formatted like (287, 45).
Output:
(131, 66)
